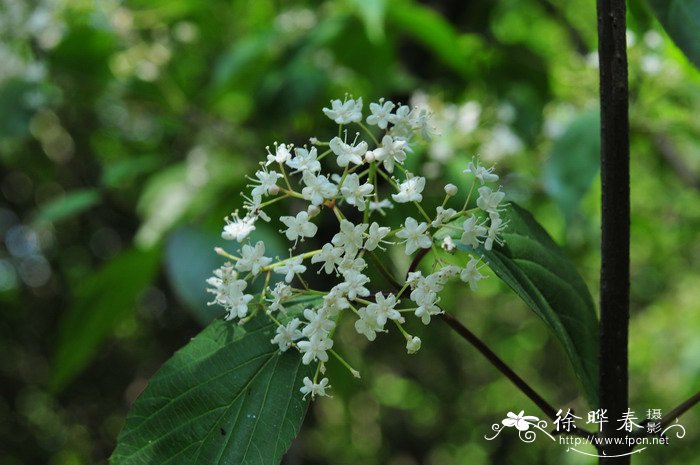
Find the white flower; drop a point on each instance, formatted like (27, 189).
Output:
(376, 235)
(267, 183)
(414, 235)
(254, 210)
(228, 292)
(367, 324)
(470, 274)
(495, 227)
(335, 300)
(350, 236)
(427, 309)
(287, 334)
(413, 344)
(488, 200)
(349, 111)
(317, 188)
(299, 226)
(289, 268)
(282, 154)
(350, 263)
(410, 190)
(402, 122)
(380, 113)
(305, 160)
(329, 256)
(348, 153)
(448, 244)
(520, 421)
(253, 258)
(354, 284)
(315, 349)
(315, 389)
(451, 190)
(442, 216)
(472, 232)
(482, 174)
(380, 206)
(279, 294)
(392, 150)
(354, 193)
(319, 324)
(237, 228)
(383, 309)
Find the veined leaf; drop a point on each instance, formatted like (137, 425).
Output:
(539, 273)
(227, 397)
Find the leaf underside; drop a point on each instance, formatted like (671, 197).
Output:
(536, 269)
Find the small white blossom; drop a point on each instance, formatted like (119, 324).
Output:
(354, 284)
(401, 120)
(391, 151)
(289, 268)
(380, 206)
(318, 188)
(253, 258)
(319, 323)
(329, 256)
(376, 235)
(472, 232)
(287, 334)
(451, 190)
(335, 300)
(413, 344)
(350, 236)
(351, 263)
(470, 274)
(410, 190)
(238, 228)
(495, 227)
(414, 235)
(315, 349)
(347, 153)
(380, 113)
(384, 310)
(349, 111)
(488, 200)
(279, 294)
(315, 389)
(442, 216)
(305, 160)
(367, 324)
(281, 155)
(267, 183)
(228, 292)
(299, 226)
(354, 193)
(448, 244)
(482, 174)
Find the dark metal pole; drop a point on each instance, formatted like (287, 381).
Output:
(615, 240)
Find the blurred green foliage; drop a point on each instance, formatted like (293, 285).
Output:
(126, 129)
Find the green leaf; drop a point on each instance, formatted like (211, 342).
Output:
(102, 301)
(573, 162)
(228, 397)
(70, 204)
(372, 13)
(681, 19)
(430, 29)
(539, 273)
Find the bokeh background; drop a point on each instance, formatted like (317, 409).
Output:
(126, 129)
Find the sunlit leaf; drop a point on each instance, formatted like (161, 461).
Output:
(681, 19)
(102, 301)
(70, 204)
(573, 162)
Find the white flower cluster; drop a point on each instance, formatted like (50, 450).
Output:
(369, 178)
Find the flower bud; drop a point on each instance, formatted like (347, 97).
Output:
(369, 156)
(451, 190)
(413, 344)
